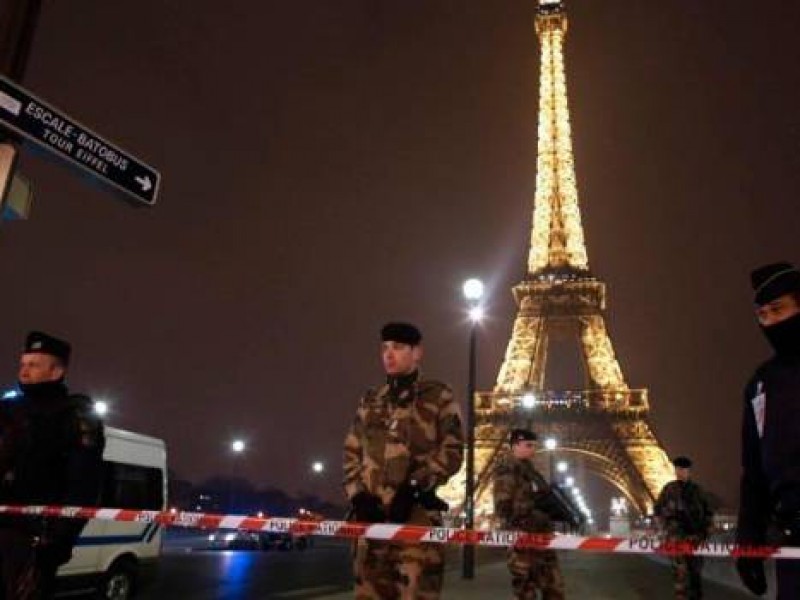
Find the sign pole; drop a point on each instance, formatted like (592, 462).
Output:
(18, 21)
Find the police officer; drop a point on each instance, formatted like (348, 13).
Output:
(769, 504)
(405, 441)
(51, 445)
(521, 502)
(685, 517)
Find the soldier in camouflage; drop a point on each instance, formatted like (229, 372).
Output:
(685, 518)
(520, 497)
(405, 441)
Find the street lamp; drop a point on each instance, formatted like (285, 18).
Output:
(550, 444)
(101, 408)
(473, 292)
(317, 466)
(529, 400)
(237, 448)
(529, 403)
(562, 466)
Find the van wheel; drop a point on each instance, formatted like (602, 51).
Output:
(118, 582)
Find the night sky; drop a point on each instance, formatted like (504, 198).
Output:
(328, 166)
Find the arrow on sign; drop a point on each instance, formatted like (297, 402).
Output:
(144, 182)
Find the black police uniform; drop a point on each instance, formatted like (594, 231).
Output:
(51, 445)
(769, 509)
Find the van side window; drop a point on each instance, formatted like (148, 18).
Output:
(132, 486)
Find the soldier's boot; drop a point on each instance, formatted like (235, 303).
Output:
(548, 576)
(680, 570)
(552, 587)
(523, 588)
(695, 577)
(523, 583)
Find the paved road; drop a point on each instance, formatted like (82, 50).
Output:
(324, 572)
(238, 575)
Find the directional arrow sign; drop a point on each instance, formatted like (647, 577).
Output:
(49, 128)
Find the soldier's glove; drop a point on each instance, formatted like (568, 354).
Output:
(406, 496)
(751, 572)
(430, 501)
(367, 508)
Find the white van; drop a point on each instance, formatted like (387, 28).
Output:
(114, 558)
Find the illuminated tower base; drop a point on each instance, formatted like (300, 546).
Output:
(606, 422)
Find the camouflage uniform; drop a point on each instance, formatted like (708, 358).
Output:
(686, 518)
(519, 491)
(402, 434)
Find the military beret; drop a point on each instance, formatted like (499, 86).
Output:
(773, 281)
(682, 462)
(520, 435)
(42, 343)
(402, 333)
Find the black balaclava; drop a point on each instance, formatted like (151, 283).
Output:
(769, 283)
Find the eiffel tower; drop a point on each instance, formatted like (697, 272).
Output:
(606, 423)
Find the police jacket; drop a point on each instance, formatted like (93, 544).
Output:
(51, 446)
(770, 483)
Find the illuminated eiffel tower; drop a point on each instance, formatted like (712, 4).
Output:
(606, 423)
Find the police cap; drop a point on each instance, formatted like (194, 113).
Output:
(521, 435)
(43, 343)
(773, 281)
(682, 462)
(402, 333)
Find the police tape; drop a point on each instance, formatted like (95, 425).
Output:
(641, 544)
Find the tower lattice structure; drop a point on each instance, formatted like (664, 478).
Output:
(605, 423)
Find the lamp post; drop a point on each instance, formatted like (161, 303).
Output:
(317, 474)
(237, 448)
(550, 444)
(528, 404)
(473, 292)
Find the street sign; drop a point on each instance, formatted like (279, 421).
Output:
(47, 127)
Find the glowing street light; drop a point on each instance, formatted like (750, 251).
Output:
(473, 289)
(569, 481)
(237, 446)
(551, 444)
(317, 466)
(528, 400)
(101, 408)
(562, 466)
